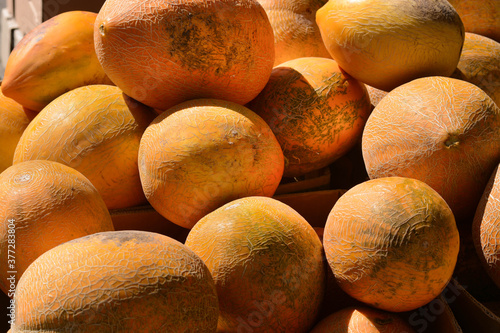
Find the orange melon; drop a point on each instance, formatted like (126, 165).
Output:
(204, 153)
(12, 125)
(480, 64)
(442, 131)
(175, 51)
(385, 44)
(362, 319)
(118, 281)
(392, 243)
(95, 129)
(53, 58)
(316, 111)
(267, 265)
(296, 34)
(486, 228)
(480, 16)
(44, 204)
(375, 94)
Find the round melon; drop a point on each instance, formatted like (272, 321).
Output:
(442, 131)
(480, 64)
(392, 243)
(162, 53)
(267, 264)
(14, 122)
(375, 94)
(44, 204)
(96, 130)
(204, 153)
(486, 228)
(481, 17)
(316, 111)
(387, 43)
(118, 281)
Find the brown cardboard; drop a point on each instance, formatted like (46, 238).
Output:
(316, 180)
(434, 317)
(493, 306)
(469, 270)
(30, 13)
(145, 218)
(445, 322)
(314, 206)
(472, 315)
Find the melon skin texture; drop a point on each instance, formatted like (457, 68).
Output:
(387, 43)
(14, 122)
(53, 58)
(392, 243)
(480, 64)
(121, 281)
(480, 16)
(486, 228)
(315, 109)
(162, 53)
(204, 153)
(44, 204)
(442, 131)
(95, 129)
(267, 263)
(296, 33)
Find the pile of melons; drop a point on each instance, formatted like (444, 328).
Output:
(199, 110)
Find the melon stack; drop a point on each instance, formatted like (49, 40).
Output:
(143, 149)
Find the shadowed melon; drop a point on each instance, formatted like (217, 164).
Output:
(486, 228)
(392, 243)
(316, 110)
